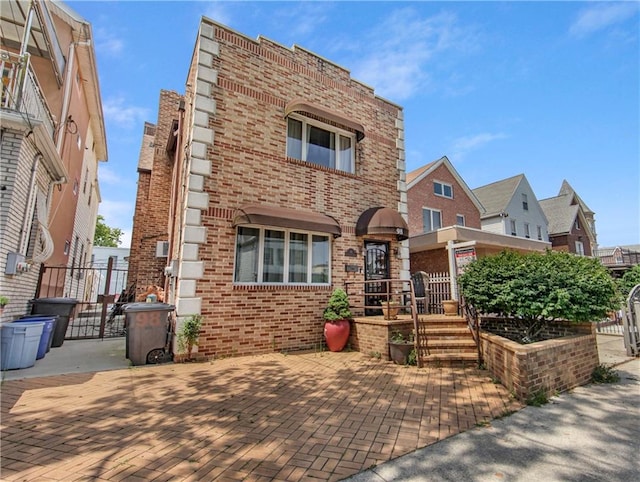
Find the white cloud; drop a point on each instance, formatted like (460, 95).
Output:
(401, 50)
(601, 16)
(219, 12)
(107, 43)
(106, 175)
(126, 116)
(302, 19)
(463, 145)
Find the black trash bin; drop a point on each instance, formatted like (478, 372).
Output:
(148, 333)
(62, 307)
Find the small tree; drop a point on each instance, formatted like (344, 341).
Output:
(337, 306)
(105, 235)
(538, 288)
(189, 334)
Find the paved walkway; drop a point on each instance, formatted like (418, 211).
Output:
(591, 433)
(272, 417)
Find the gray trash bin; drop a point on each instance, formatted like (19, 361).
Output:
(62, 307)
(148, 332)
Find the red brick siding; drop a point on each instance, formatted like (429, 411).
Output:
(552, 366)
(256, 80)
(152, 203)
(421, 195)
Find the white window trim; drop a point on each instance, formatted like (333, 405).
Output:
(464, 219)
(513, 227)
(432, 211)
(442, 184)
(327, 127)
(262, 228)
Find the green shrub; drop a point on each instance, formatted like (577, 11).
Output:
(337, 306)
(604, 374)
(538, 288)
(189, 333)
(629, 280)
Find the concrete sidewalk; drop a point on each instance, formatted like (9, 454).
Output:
(589, 434)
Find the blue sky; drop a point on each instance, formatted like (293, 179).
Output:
(548, 89)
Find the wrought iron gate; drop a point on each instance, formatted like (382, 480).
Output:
(100, 291)
(631, 320)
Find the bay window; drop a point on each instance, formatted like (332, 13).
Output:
(276, 256)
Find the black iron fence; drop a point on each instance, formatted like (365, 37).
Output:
(100, 292)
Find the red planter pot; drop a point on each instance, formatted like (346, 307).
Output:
(336, 334)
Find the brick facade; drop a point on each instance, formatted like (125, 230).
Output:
(552, 366)
(421, 195)
(235, 131)
(153, 198)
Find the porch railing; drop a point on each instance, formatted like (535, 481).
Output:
(372, 295)
(21, 91)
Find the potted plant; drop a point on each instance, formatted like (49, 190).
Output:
(390, 309)
(189, 334)
(450, 307)
(337, 316)
(4, 301)
(401, 347)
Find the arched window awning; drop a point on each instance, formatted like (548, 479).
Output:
(381, 220)
(286, 218)
(303, 106)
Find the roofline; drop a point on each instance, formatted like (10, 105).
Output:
(445, 160)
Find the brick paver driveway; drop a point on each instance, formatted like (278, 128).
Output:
(271, 417)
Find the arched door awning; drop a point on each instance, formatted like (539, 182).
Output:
(381, 220)
(286, 218)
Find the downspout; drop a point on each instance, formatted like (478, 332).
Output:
(26, 217)
(174, 200)
(65, 99)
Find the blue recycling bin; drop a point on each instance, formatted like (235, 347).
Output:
(19, 344)
(47, 332)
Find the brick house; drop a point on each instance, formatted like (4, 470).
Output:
(571, 222)
(274, 179)
(446, 223)
(53, 138)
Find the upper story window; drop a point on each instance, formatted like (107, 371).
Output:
(442, 189)
(276, 256)
(539, 228)
(579, 248)
(525, 202)
(459, 219)
(527, 233)
(318, 143)
(514, 231)
(576, 224)
(431, 219)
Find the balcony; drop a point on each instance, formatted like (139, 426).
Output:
(21, 92)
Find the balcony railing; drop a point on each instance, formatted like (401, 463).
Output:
(21, 92)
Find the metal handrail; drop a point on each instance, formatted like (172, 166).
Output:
(389, 294)
(473, 321)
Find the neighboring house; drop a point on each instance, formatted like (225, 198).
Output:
(620, 258)
(512, 209)
(445, 220)
(275, 179)
(52, 139)
(571, 223)
(119, 269)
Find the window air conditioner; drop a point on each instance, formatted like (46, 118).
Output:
(162, 249)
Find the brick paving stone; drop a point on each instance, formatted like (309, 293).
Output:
(269, 417)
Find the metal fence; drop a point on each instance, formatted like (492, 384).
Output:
(100, 292)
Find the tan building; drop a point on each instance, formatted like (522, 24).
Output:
(52, 140)
(274, 180)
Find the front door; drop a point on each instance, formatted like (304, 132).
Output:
(376, 268)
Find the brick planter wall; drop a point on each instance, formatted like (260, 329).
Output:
(371, 335)
(552, 365)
